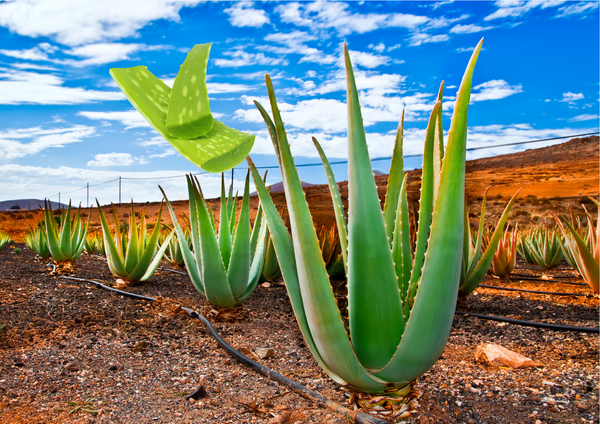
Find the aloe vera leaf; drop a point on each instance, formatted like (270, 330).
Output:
(337, 360)
(475, 277)
(233, 215)
(65, 234)
(326, 326)
(258, 260)
(438, 147)
(146, 256)
(193, 268)
(133, 254)
(188, 111)
(272, 132)
(427, 331)
(256, 229)
(271, 270)
(113, 251)
(589, 268)
(214, 273)
(401, 249)
(52, 234)
(373, 298)
(238, 272)
(395, 180)
(158, 257)
(224, 229)
(474, 259)
(219, 150)
(338, 206)
(426, 201)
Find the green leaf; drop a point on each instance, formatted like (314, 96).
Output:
(188, 112)
(395, 180)
(224, 228)
(338, 206)
(222, 148)
(238, 271)
(373, 297)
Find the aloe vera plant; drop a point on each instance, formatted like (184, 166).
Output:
(399, 319)
(476, 261)
(94, 244)
(585, 254)
(505, 258)
(4, 238)
(543, 246)
(225, 266)
(65, 240)
(182, 114)
(133, 256)
(37, 241)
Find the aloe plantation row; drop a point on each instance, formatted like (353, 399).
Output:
(404, 270)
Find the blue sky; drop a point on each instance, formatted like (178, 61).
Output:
(65, 123)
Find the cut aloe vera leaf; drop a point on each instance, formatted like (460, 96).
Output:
(220, 150)
(188, 113)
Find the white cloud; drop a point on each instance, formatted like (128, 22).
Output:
(39, 52)
(243, 15)
(585, 117)
(241, 58)
(378, 48)
(442, 22)
(157, 141)
(130, 118)
(578, 8)
(494, 90)
(73, 22)
(421, 38)
(571, 97)
(13, 143)
(368, 60)
(468, 29)
(22, 87)
(225, 87)
(34, 66)
(294, 43)
(101, 53)
(517, 8)
(114, 159)
(325, 15)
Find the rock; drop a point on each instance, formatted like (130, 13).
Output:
(141, 346)
(495, 355)
(264, 353)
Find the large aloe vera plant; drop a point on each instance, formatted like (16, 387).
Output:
(584, 251)
(225, 266)
(399, 312)
(182, 114)
(65, 239)
(132, 256)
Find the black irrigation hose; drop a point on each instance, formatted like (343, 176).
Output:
(532, 291)
(359, 417)
(539, 276)
(572, 283)
(556, 327)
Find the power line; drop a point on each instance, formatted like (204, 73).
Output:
(339, 162)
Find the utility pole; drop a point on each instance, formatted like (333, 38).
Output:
(59, 200)
(119, 190)
(88, 195)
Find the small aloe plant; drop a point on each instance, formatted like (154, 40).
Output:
(476, 261)
(505, 258)
(4, 239)
(400, 311)
(586, 253)
(182, 114)
(133, 256)
(543, 246)
(65, 240)
(225, 266)
(37, 241)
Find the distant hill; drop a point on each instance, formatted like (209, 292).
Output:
(276, 188)
(27, 204)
